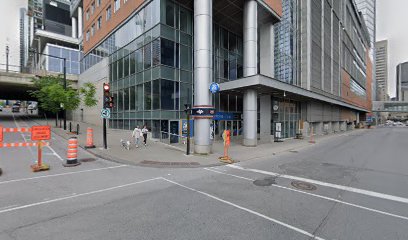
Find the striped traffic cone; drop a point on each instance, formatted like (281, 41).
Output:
(72, 153)
(89, 138)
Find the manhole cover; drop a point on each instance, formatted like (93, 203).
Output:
(265, 182)
(87, 160)
(303, 185)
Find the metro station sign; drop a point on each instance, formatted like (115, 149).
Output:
(40, 133)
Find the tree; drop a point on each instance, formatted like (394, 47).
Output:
(53, 97)
(88, 91)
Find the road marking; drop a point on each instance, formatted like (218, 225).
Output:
(22, 135)
(61, 174)
(340, 187)
(7, 207)
(318, 196)
(77, 195)
(247, 210)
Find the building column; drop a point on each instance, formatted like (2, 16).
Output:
(74, 27)
(202, 71)
(80, 15)
(267, 44)
(250, 65)
(265, 118)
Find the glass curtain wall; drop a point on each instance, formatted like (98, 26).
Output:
(152, 76)
(288, 114)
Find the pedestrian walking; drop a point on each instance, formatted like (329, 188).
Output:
(144, 132)
(137, 133)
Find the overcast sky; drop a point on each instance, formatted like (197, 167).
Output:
(392, 24)
(9, 30)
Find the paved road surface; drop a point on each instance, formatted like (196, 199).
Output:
(353, 186)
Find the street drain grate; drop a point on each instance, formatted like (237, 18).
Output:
(265, 182)
(303, 185)
(87, 160)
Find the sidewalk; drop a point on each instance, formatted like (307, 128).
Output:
(158, 154)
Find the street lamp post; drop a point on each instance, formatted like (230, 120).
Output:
(65, 81)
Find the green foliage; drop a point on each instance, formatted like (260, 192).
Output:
(51, 94)
(88, 91)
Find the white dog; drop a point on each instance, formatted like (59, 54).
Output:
(125, 144)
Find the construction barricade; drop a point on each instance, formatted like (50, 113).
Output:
(89, 138)
(39, 135)
(72, 153)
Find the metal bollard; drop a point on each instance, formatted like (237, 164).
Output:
(77, 131)
(70, 126)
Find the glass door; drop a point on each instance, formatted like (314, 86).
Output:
(174, 132)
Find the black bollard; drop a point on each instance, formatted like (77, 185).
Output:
(77, 132)
(70, 127)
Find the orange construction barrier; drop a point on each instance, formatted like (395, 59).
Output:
(226, 135)
(40, 166)
(72, 153)
(89, 138)
(38, 134)
(311, 140)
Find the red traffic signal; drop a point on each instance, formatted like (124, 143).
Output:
(106, 87)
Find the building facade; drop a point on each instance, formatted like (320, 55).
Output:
(381, 70)
(369, 10)
(284, 67)
(402, 82)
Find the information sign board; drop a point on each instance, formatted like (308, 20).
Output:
(40, 133)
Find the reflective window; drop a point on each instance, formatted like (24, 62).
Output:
(167, 95)
(126, 99)
(139, 60)
(147, 96)
(132, 63)
(126, 66)
(120, 68)
(185, 20)
(147, 56)
(99, 23)
(167, 52)
(120, 100)
(156, 94)
(139, 97)
(156, 52)
(108, 13)
(185, 58)
(169, 14)
(116, 5)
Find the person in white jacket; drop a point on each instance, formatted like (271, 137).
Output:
(137, 133)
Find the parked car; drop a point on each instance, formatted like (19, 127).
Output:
(1, 108)
(15, 108)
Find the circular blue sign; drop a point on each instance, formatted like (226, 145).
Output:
(214, 87)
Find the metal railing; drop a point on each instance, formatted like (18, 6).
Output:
(172, 139)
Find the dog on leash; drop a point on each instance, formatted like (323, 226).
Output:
(125, 144)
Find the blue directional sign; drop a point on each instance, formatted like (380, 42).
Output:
(105, 113)
(214, 88)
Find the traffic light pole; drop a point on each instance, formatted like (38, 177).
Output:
(105, 142)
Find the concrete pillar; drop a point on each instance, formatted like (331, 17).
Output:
(250, 65)
(74, 27)
(267, 44)
(265, 118)
(80, 15)
(202, 71)
(250, 118)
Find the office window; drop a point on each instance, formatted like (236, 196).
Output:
(108, 13)
(87, 35)
(99, 23)
(124, 1)
(167, 52)
(93, 29)
(92, 7)
(98, 3)
(87, 14)
(116, 5)
(147, 56)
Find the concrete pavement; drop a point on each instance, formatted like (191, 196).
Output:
(352, 186)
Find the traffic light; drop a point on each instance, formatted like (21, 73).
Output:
(106, 96)
(111, 102)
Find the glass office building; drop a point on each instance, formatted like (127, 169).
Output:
(52, 64)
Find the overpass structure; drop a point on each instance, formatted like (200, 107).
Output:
(16, 86)
(390, 106)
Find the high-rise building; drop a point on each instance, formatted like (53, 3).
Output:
(381, 69)
(369, 10)
(402, 82)
(51, 26)
(283, 66)
(24, 38)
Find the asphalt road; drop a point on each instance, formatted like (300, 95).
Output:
(352, 186)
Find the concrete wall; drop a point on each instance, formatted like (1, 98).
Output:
(97, 74)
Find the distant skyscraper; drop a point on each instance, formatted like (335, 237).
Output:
(24, 38)
(381, 71)
(402, 81)
(368, 9)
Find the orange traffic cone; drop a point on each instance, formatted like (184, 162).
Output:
(72, 153)
(89, 138)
